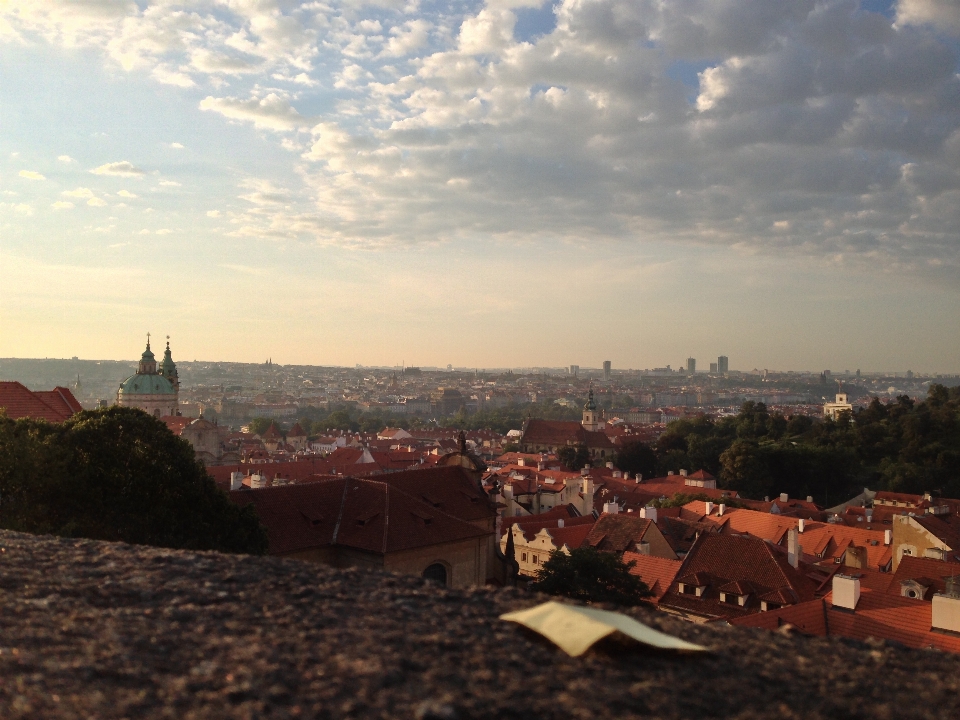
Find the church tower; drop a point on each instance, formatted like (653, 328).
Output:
(590, 420)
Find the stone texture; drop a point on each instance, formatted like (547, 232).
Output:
(99, 630)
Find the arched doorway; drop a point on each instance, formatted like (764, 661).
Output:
(437, 573)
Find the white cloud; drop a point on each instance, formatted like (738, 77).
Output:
(169, 183)
(164, 231)
(80, 192)
(122, 168)
(65, 159)
(271, 112)
(126, 194)
(410, 36)
(62, 205)
(31, 175)
(176, 146)
(96, 202)
(943, 14)
(213, 213)
(168, 76)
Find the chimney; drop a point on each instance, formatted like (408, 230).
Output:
(669, 472)
(809, 498)
(846, 591)
(793, 548)
(522, 462)
(541, 465)
(707, 507)
(560, 523)
(639, 478)
(236, 480)
(801, 525)
(585, 471)
(649, 512)
(609, 466)
(887, 537)
(617, 474)
(869, 515)
(946, 607)
(587, 508)
(508, 491)
(611, 508)
(683, 473)
(784, 497)
(721, 509)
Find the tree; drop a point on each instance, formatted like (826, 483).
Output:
(637, 457)
(588, 575)
(259, 425)
(573, 457)
(117, 474)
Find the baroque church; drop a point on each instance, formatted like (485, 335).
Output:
(153, 389)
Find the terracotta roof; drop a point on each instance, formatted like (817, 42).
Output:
(930, 572)
(272, 433)
(617, 533)
(51, 405)
(296, 431)
(176, 423)
(357, 513)
(658, 573)
(681, 534)
(737, 558)
(946, 529)
(530, 525)
(559, 432)
(570, 535)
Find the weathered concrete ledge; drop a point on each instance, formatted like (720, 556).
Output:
(99, 630)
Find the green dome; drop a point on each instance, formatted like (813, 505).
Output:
(148, 354)
(146, 385)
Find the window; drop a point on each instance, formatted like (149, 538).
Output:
(523, 557)
(534, 559)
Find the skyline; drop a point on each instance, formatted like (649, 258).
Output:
(494, 184)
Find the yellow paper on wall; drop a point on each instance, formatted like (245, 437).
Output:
(576, 628)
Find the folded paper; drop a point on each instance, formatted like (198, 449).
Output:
(575, 629)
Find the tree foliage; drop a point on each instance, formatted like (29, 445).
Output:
(573, 457)
(904, 446)
(116, 474)
(588, 575)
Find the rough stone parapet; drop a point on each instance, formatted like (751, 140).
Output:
(92, 629)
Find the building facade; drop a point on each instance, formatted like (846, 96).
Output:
(153, 389)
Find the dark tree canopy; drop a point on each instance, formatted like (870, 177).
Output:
(116, 474)
(573, 457)
(636, 457)
(588, 575)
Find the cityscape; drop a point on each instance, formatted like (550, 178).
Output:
(481, 360)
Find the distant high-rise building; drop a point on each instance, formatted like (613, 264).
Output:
(691, 365)
(713, 368)
(606, 369)
(575, 370)
(723, 365)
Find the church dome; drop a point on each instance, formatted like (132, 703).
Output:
(146, 385)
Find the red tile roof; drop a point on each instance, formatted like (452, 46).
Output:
(929, 572)
(51, 405)
(559, 432)
(618, 533)
(357, 513)
(721, 559)
(658, 573)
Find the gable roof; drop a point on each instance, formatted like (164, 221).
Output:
(358, 513)
(562, 432)
(931, 573)
(617, 533)
(51, 405)
(657, 572)
(717, 559)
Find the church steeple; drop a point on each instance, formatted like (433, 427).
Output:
(168, 368)
(590, 421)
(148, 362)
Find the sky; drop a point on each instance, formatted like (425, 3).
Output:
(486, 184)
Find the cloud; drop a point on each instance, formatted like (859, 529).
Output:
(213, 213)
(264, 193)
(19, 208)
(96, 202)
(167, 76)
(80, 192)
(169, 183)
(410, 36)
(65, 159)
(271, 112)
(164, 231)
(176, 146)
(245, 269)
(31, 175)
(62, 205)
(120, 169)
(126, 194)
(942, 14)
